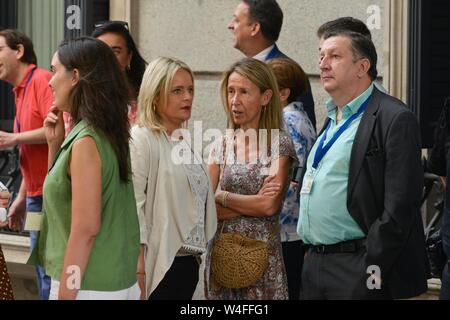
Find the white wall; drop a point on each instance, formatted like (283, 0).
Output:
(195, 31)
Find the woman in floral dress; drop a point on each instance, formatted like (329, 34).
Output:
(252, 181)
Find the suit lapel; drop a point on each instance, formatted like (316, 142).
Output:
(362, 139)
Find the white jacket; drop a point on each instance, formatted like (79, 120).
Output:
(165, 202)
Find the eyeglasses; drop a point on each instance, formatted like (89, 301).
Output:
(102, 24)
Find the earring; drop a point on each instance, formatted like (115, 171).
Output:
(128, 67)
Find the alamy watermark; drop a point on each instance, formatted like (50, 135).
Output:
(373, 21)
(374, 280)
(73, 21)
(241, 147)
(73, 281)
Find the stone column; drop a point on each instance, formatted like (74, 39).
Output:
(396, 48)
(120, 10)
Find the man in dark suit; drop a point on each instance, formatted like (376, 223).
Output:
(256, 26)
(360, 198)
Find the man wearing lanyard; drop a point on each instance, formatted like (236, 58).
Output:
(256, 26)
(360, 197)
(33, 101)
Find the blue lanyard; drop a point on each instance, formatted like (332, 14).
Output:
(23, 96)
(321, 149)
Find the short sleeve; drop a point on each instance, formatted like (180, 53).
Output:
(301, 132)
(284, 147)
(216, 154)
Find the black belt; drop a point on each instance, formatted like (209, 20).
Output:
(341, 247)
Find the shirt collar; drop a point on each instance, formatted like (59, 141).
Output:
(74, 132)
(350, 108)
(263, 54)
(24, 80)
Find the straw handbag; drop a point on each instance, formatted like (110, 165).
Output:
(238, 261)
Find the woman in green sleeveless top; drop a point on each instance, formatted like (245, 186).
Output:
(89, 239)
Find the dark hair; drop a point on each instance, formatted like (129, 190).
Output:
(344, 23)
(361, 46)
(100, 97)
(289, 76)
(268, 14)
(14, 38)
(138, 64)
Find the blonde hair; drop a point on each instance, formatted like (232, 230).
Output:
(157, 81)
(262, 76)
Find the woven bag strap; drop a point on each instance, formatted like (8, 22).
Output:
(221, 173)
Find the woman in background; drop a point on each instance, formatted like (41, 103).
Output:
(292, 82)
(116, 35)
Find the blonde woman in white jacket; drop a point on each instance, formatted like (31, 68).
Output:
(175, 202)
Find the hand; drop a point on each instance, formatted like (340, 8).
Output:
(141, 283)
(54, 127)
(17, 213)
(269, 188)
(219, 196)
(7, 140)
(4, 199)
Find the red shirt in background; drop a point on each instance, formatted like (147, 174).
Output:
(33, 101)
(132, 114)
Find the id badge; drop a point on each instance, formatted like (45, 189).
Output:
(307, 184)
(33, 221)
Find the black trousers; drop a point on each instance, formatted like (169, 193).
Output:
(179, 282)
(337, 276)
(293, 253)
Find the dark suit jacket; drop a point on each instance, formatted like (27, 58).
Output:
(307, 98)
(384, 193)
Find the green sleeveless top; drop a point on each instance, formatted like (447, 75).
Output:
(113, 259)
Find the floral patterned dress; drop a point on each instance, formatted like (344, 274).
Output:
(303, 136)
(247, 179)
